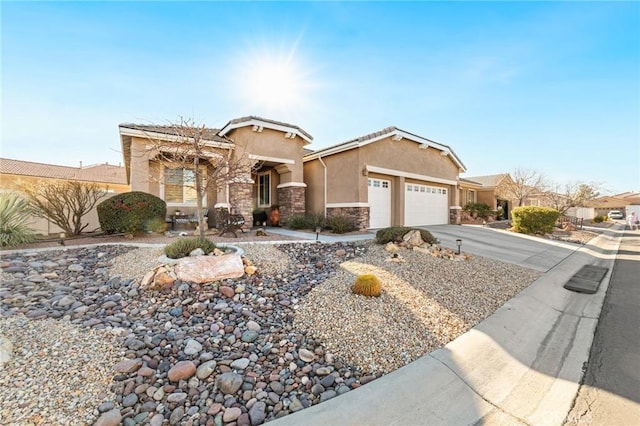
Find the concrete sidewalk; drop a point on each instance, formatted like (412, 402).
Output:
(522, 365)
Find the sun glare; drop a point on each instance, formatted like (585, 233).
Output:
(273, 83)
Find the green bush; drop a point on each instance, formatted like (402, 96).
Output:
(534, 220)
(394, 234)
(367, 285)
(130, 211)
(155, 225)
(599, 219)
(13, 228)
(307, 221)
(340, 224)
(184, 246)
(315, 220)
(298, 221)
(481, 210)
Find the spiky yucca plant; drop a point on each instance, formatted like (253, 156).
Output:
(367, 285)
(13, 218)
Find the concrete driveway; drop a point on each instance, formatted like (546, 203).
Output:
(531, 252)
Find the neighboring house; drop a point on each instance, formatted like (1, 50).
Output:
(390, 177)
(486, 189)
(15, 173)
(603, 205)
(275, 150)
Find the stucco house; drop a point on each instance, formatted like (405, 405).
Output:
(387, 178)
(15, 173)
(273, 149)
(486, 189)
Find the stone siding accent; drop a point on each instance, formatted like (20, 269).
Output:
(291, 202)
(455, 216)
(359, 215)
(240, 199)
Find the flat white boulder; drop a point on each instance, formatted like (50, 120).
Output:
(205, 269)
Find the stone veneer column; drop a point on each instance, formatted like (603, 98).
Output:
(359, 215)
(291, 202)
(240, 200)
(455, 215)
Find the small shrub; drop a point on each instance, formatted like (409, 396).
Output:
(184, 246)
(367, 285)
(129, 212)
(298, 221)
(316, 220)
(534, 220)
(155, 225)
(340, 224)
(599, 219)
(13, 228)
(394, 234)
(481, 210)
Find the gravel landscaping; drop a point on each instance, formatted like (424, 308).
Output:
(89, 343)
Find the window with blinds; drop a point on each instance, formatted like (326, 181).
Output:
(180, 185)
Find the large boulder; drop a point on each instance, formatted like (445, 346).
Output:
(205, 269)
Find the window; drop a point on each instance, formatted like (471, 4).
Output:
(264, 189)
(376, 184)
(444, 191)
(385, 184)
(409, 188)
(180, 185)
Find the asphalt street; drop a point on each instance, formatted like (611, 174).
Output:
(610, 393)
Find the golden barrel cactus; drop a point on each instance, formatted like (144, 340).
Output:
(367, 285)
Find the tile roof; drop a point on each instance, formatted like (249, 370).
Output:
(103, 173)
(266, 120)
(487, 180)
(343, 146)
(209, 133)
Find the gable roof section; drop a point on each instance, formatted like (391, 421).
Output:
(488, 181)
(382, 134)
(102, 173)
(253, 120)
(161, 132)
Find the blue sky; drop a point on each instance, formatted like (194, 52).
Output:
(549, 86)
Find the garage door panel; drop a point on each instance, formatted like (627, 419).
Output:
(379, 194)
(425, 205)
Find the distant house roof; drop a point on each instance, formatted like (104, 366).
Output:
(391, 131)
(487, 180)
(253, 120)
(609, 202)
(151, 131)
(102, 173)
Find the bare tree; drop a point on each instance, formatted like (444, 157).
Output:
(571, 195)
(189, 146)
(64, 203)
(521, 184)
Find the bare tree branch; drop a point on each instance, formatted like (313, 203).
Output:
(64, 203)
(189, 146)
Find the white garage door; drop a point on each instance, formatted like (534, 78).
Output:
(425, 205)
(379, 203)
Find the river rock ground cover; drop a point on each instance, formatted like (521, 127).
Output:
(90, 344)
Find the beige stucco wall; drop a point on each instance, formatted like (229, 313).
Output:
(314, 178)
(407, 156)
(488, 197)
(270, 143)
(347, 180)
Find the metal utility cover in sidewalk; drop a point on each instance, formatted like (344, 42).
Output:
(587, 279)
